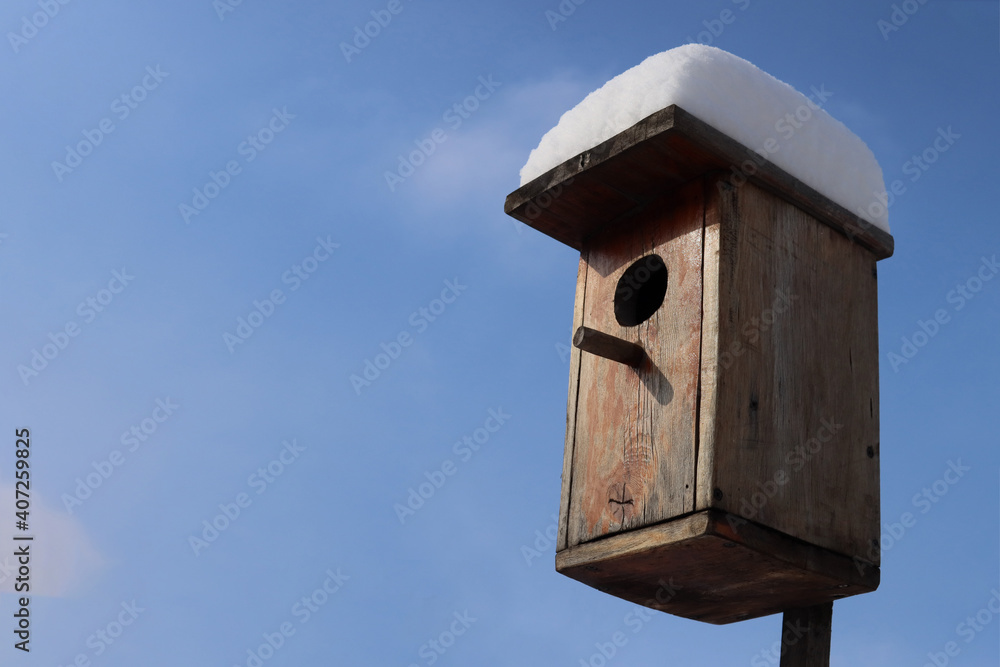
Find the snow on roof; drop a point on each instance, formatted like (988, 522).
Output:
(738, 99)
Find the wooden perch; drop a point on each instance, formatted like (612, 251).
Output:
(609, 347)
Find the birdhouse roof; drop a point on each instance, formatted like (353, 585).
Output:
(690, 110)
(620, 175)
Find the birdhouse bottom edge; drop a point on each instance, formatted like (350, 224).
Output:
(716, 567)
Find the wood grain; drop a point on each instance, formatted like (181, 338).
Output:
(794, 427)
(716, 568)
(577, 198)
(805, 636)
(634, 446)
(709, 372)
(571, 406)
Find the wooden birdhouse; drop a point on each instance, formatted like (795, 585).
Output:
(722, 441)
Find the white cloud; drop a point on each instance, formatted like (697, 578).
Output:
(485, 154)
(61, 554)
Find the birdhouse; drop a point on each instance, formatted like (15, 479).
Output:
(722, 440)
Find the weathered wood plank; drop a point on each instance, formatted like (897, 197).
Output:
(663, 150)
(794, 429)
(572, 401)
(714, 568)
(633, 454)
(805, 636)
(708, 387)
(604, 556)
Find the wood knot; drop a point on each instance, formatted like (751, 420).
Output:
(621, 502)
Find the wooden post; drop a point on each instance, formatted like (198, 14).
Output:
(805, 636)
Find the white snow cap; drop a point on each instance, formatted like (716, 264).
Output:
(738, 99)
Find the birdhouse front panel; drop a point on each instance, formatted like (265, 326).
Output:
(633, 450)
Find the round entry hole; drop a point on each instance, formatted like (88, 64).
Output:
(640, 291)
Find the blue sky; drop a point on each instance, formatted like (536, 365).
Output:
(177, 427)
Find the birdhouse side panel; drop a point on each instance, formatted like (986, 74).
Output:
(633, 455)
(790, 424)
